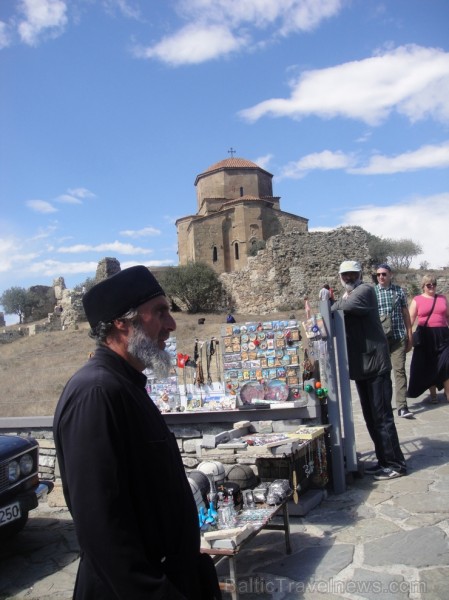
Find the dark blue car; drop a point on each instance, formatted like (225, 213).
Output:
(20, 488)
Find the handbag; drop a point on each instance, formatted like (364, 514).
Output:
(417, 336)
(386, 320)
(387, 325)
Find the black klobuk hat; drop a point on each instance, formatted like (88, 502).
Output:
(113, 297)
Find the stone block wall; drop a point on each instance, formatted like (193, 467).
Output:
(293, 266)
(190, 443)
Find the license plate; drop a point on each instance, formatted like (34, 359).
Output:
(10, 513)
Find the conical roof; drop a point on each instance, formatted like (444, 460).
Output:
(232, 163)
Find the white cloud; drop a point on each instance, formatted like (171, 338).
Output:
(41, 17)
(216, 28)
(123, 6)
(45, 233)
(263, 161)
(116, 246)
(147, 263)
(73, 196)
(12, 255)
(211, 28)
(5, 35)
(80, 193)
(68, 199)
(323, 161)
(425, 220)
(138, 233)
(294, 15)
(411, 80)
(41, 206)
(194, 44)
(55, 268)
(426, 157)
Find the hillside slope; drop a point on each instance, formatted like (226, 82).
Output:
(34, 370)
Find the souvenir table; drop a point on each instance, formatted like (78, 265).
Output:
(253, 524)
(254, 365)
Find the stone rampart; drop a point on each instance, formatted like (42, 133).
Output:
(293, 266)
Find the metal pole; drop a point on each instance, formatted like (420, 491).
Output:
(345, 391)
(333, 405)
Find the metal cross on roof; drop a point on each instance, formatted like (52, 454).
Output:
(231, 151)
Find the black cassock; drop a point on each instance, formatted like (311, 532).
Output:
(126, 488)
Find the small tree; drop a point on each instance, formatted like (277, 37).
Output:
(34, 306)
(402, 252)
(196, 285)
(378, 248)
(15, 301)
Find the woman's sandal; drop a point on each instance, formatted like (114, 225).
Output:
(433, 399)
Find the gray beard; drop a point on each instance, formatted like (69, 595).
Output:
(350, 287)
(145, 350)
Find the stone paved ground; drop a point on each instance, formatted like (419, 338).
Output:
(377, 540)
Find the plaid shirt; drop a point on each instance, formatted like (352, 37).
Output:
(386, 297)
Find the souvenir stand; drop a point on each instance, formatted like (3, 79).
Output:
(267, 371)
(265, 395)
(267, 364)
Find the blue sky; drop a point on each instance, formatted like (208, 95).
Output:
(110, 109)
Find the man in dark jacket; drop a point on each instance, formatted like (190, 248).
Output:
(121, 470)
(370, 367)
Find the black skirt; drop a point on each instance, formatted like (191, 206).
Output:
(430, 361)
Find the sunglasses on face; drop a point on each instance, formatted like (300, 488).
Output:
(381, 274)
(430, 285)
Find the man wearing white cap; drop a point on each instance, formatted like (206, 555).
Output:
(370, 368)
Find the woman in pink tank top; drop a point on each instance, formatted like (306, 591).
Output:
(429, 368)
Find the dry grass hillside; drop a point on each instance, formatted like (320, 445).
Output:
(34, 370)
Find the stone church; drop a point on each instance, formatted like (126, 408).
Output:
(236, 214)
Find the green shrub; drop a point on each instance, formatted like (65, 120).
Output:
(195, 285)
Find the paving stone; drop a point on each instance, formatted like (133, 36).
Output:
(423, 547)
(422, 520)
(433, 583)
(373, 585)
(441, 486)
(424, 503)
(443, 471)
(393, 512)
(410, 484)
(367, 529)
(378, 496)
(321, 562)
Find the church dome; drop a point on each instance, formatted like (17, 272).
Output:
(228, 164)
(232, 163)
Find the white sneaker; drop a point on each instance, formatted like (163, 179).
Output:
(405, 413)
(387, 473)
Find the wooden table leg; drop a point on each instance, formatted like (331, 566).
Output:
(233, 577)
(286, 528)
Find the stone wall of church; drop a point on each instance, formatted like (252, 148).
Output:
(291, 223)
(293, 266)
(231, 184)
(241, 223)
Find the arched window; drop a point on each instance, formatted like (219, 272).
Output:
(214, 254)
(241, 192)
(236, 251)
